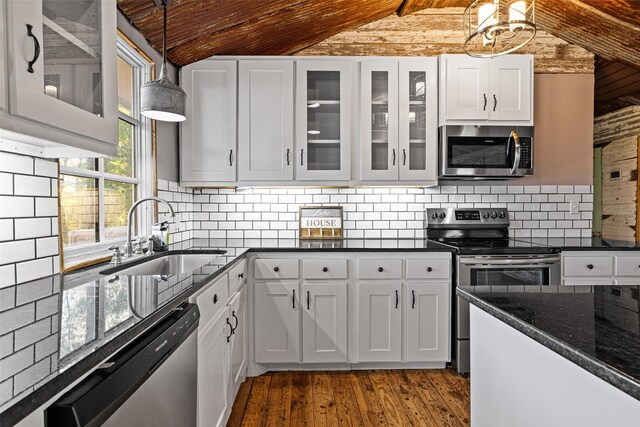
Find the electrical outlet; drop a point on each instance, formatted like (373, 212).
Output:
(574, 207)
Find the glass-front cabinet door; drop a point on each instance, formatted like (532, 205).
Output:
(379, 120)
(418, 123)
(323, 120)
(62, 56)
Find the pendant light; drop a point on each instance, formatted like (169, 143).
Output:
(498, 27)
(162, 99)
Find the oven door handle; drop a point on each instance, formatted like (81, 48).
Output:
(514, 261)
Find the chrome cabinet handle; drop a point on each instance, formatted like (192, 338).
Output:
(393, 150)
(485, 101)
(231, 158)
(495, 102)
(288, 157)
(293, 300)
(308, 300)
(36, 45)
(229, 337)
(233, 331)
(397, 298)
(413, 299)
(516, 157)
(302, 157)
(404, 157)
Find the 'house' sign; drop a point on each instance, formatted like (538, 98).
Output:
(321, 222)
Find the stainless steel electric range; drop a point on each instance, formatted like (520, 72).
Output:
(487, 257)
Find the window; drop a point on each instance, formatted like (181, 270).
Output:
(97, 193)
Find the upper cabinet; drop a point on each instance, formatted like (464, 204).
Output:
(61, 69)
(399, 120)
(479, 90)
(265, 121)
(323, 120)
(208, 136)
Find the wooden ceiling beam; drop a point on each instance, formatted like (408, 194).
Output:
(591, 28)
(285, 31)
(625, 10)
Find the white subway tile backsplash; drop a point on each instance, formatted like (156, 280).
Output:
(6, 183)
(31, 270)
(15, 251)
(25, 185)
(6, 229)
(46, 206)
(46, 168)
(16, 207)
(15, 163)
(26, 228)
(47, 246)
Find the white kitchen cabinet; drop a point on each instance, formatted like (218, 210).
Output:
(323, 120)
(428, 321)
(482, 90)
(324, 322)
(277, 322)
(399, 120)
(63, 74)
(265, 120)
(379, 120)
(238, 319)
(208, 135)
(214, 371)
(599, 268)
(380, 322)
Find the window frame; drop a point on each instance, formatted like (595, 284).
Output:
(144, 167)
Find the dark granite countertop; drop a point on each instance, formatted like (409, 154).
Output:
(597, 328)
(582, 244)
(56, 329)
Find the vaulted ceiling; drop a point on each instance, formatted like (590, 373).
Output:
(198, 29)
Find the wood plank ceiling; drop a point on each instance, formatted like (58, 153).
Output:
(199, 29)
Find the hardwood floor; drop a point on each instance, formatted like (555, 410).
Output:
(438, 397)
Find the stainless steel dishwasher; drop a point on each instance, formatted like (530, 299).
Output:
(150, 382)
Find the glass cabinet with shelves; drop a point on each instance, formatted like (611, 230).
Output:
(62, 60)
(399, 120)
(323, 111)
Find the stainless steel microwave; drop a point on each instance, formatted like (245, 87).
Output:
(475, 152)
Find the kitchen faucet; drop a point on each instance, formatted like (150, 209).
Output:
(128, 247)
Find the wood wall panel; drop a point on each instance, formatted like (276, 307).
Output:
(619, 133)
(432, 32)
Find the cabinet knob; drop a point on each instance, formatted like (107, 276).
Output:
(429, 269)
(325, 269)
(241, 276)
(276, 269)
(380, 269)
(590, 266)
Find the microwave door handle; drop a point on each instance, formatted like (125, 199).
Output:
(527, 261)
(516, 157)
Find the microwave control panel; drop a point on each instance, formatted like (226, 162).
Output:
(525, 153)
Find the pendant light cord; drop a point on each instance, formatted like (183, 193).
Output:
(163, 69)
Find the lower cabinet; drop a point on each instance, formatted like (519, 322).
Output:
(380, 322)
(428, 318)
(324, 322)
(214, 371)
(599, 268)
(277, 323)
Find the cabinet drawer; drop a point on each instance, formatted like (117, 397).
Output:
(628, 266)
(276, 268)
(324, 268)
(420, 268)
(380, 269)
(236, 277)
(588, 266)
(213, 299)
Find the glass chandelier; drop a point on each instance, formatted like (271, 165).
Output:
(499, 27)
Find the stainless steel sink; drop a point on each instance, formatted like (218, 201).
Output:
(168, 264)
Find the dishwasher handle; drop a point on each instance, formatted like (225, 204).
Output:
(510, 261)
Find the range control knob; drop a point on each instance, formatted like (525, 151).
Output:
(434, 215)
(485, 215)
(442, 215)
(501, 215)
(494, 215)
